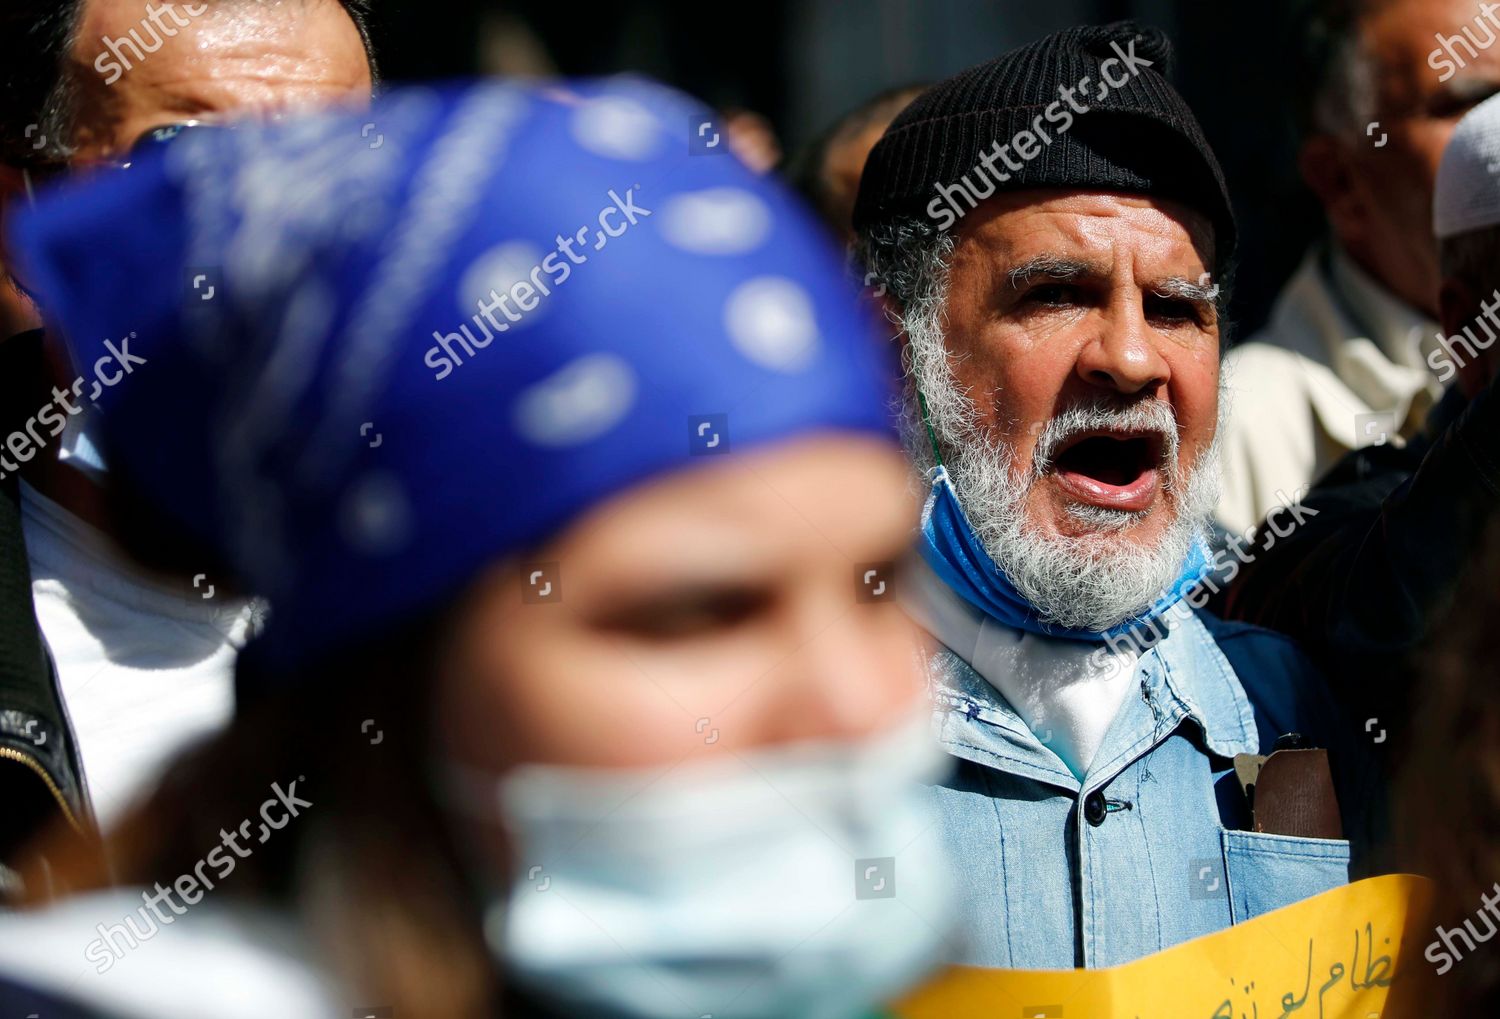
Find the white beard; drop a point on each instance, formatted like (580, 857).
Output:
(1093, 581)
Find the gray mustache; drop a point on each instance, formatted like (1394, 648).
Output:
(1154, 416)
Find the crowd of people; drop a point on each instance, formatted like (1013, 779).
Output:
(492, 549)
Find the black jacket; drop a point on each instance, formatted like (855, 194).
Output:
(41, 780)
(1362, 583)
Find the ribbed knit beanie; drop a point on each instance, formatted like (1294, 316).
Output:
(1087, 108)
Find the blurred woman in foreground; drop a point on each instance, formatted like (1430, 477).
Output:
(562, 459)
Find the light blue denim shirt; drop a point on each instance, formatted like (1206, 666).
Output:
(1150, 848)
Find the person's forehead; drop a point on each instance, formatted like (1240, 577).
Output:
(1092, 226)
(767, 503)
(251, 47)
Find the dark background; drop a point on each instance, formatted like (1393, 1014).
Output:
(803, 64)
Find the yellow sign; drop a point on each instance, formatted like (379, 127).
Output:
(1333, 956)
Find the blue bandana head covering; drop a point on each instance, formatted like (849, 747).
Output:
(367, 357)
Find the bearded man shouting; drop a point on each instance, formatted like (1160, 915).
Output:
(1053, 231)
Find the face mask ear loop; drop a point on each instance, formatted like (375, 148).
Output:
(931, 435)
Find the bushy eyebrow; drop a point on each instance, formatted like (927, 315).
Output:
(1056, 268)
(1062, 269)
(1204, 294)
(1180, 286)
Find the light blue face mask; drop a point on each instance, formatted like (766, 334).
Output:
(802, 881)
(950, 546)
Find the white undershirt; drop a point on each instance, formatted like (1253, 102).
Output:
(227, 960)
(144, 668)
(1066, 698)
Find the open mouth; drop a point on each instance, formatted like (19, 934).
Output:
(1117, 470)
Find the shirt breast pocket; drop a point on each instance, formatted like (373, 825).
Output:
(1267, 871)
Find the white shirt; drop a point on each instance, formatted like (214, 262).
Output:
(1342, 363)
(144, 668)
(231, 962)
(1066, 695)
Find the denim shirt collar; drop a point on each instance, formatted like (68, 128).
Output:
(1184, 676)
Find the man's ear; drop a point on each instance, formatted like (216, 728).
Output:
(1324, 163)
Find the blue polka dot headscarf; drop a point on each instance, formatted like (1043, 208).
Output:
(371, 356)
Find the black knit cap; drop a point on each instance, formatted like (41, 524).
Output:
(1140, 138)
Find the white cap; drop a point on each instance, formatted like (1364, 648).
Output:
(1467, 196)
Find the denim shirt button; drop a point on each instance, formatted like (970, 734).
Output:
(1093, 808)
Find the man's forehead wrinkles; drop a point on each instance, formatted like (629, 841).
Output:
(1098, 241)
(240, 89)
(212, 83)
(1005, 250)
(257, 58)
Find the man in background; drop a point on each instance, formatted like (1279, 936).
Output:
(829, 170)
(1050, 269)
(1342, 362)
(1383, 538)
(143, 665)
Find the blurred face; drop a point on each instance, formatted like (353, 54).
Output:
(1467, 317)
(1078, 394)
(707, 612)
(1379, 200)
(140, 65)
(843, 167)
(215, 60)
